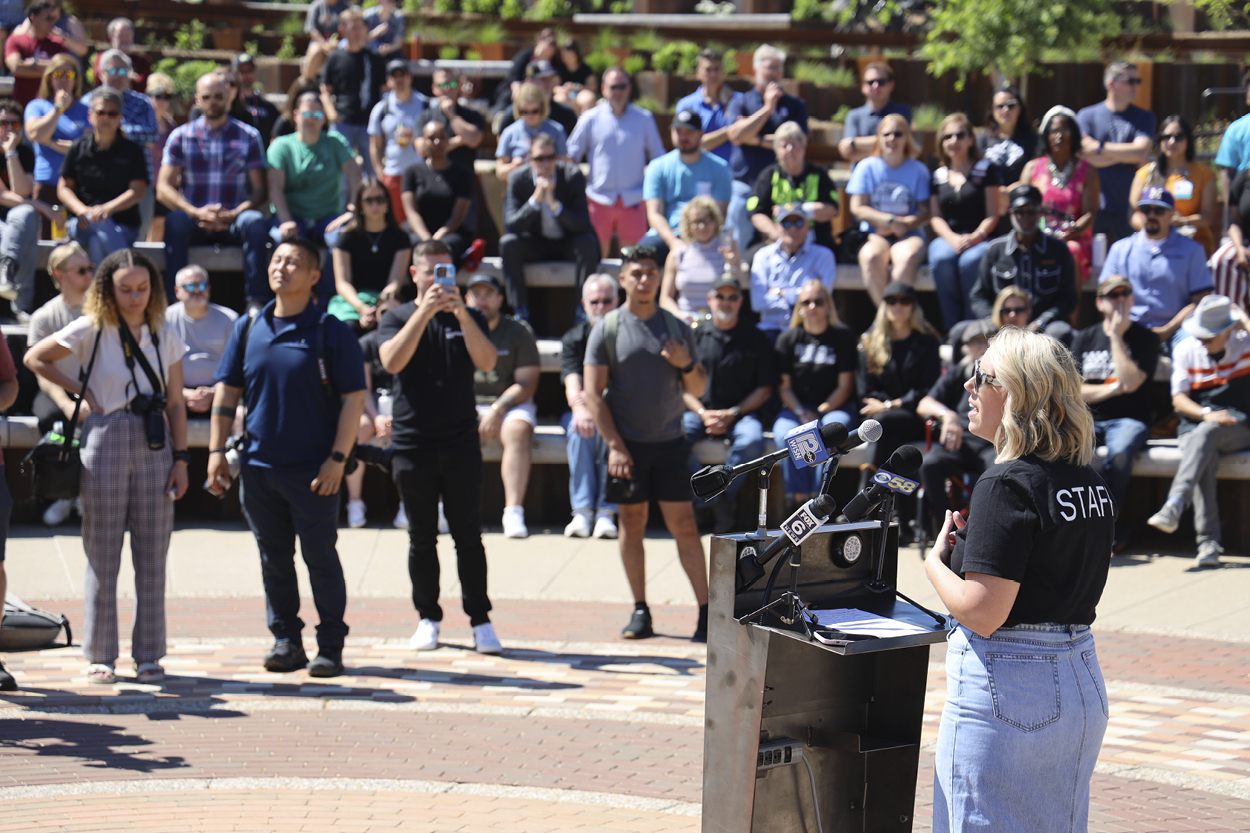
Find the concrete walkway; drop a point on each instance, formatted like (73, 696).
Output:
(1146, 591)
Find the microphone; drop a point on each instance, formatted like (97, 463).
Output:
(894, 476)
(796, 529)
(869, 431)
(710, 481)
(809, 444)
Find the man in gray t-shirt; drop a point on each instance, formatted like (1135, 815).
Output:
(635, 398)
(205, 328)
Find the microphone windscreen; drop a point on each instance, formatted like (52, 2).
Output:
(870, 431)
(905, 461)
(834, 434)
(824, 506)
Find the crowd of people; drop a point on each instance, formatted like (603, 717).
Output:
(356, 204)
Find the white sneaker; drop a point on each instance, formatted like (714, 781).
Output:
(485, 641)
(355, 513)
(58, 512)
(426, 636)
(401, 518)
(605, 527)
(514, 522)
(443, 528)
(1209, 554)
(1167, 519)
(579, 527)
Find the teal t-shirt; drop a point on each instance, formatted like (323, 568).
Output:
(314, 178)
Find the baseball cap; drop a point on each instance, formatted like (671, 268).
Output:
(725, 280)
(688, 120)
(396, 64)
(1157, 195)
(539, 69)
(480, 278)
(900, 289)
(793, 209)
(1024, 195)
(980, 328)
(1112, 283)
(240, 59)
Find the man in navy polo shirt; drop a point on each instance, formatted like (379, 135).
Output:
(753, 118)
(301, 424)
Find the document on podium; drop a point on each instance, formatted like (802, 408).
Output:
(853, 620)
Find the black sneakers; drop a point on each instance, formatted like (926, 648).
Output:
(639, 626)
(7, 683)
(286, 656)
(329, 663)
(700, 629)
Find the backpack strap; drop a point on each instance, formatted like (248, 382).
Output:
(673, 325)
(611, 323)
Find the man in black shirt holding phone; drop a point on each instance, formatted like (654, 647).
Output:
(435, 437)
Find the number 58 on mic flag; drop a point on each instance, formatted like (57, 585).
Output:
(806, 446)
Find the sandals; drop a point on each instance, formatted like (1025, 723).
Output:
(101, 674)
(150, 673)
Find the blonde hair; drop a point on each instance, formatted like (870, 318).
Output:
(62, 253)
(100, 304)
(876, 342)
(1012, 291)
(159, 82)
(62, 61)
(912, 149)
(1044, 414)
(796, 320)
(533, 94)
(974, 152)
(685, 223)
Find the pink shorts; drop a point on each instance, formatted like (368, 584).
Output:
(630, 224)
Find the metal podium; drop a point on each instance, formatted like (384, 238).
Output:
(802, 736)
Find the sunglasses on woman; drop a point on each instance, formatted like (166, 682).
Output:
(981, 378)
(531, 112)
(1172, 137)
(378, 200)
(894, 134)
(961, 135)
(1015, 310)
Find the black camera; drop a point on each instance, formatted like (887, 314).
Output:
(370, 455)
(152, 408)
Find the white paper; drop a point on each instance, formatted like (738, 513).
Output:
(853, 620)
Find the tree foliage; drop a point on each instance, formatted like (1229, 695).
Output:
(1010, 36)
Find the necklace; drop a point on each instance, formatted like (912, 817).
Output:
(374, 240)
(1060, 177)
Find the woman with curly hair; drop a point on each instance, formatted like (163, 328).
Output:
(1069, 186)
(690, 271)
(131, 472)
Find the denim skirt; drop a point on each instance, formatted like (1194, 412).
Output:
(1025, 713)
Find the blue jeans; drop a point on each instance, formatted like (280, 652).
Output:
(19, 239)
(248, 230)
(588, 470)
(314, 230)
(357, 135)
(807, 480)
(101, 239)
(746, 442)
(1123, 439)
(1026, 710)
(954, 275)
(737, 215)
(278, 506)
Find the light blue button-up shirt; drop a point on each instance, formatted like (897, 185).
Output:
(619, 148)
(713, 115)
(1164, 274)
(774, 269)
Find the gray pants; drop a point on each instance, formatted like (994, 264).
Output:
(123, 483)
(19, 239)
(1195, 478)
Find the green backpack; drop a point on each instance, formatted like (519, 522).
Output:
(612, 323)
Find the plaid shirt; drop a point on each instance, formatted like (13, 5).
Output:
(215, 163)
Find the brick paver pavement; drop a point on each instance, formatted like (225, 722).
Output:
(608, 733)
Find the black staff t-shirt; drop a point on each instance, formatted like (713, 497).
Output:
(1048, 526)
(814, 362)
(1092, 350)
(434, 400)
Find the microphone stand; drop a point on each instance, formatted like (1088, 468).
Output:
(798, 610)
(765, 474)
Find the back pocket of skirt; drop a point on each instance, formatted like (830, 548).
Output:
(1025, 689)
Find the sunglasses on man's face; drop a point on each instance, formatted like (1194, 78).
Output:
(1132, 82)
(315, 115)
(1153, 210)
(198, 286)
(728, 299)
(616, 88)
(447, 85)
(117, 72)
(877, 82)
(108, 114)
(794, 222)
(541, 159)
(1024, 212)
(12, 124)
(980, 378)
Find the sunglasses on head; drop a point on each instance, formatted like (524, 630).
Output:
(794, 222)
(1118, 293)
(198, 286)
(1153, 210)
(1015, 310)
(962, 134)
(981, 378)
(899, 301)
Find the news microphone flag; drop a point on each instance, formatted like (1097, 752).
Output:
(806, 445)
(808, 518)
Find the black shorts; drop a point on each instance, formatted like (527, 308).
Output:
(661, 471)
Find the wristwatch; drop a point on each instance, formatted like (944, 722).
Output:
(182, 456)
(737, 412)
(337, 456)
(1206, 410)
(689, 367)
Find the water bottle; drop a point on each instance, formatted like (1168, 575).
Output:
(385, 402)
(1098, 255)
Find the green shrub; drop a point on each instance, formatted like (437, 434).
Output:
(550, 10)
(448, 52)
(680, 56)
(446, 6)
(185, 74)
(843, 112)
(472, 55)
(486, 7)
(824, 75)
(927, 117)
(190, 36)
(492, 32)
(600, 61)
(512, 9)
(646, 40)
(634, 64)
(252, 48)
(621, 7)
(650, 103)
(606, 38)
(287, 49)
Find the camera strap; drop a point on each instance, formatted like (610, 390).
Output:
(131, 348)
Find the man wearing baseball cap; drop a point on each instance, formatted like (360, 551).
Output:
(1168, 271)
(544, 74)
(1117, 357)
(505, 396)
(1035, 262)
(252, 95)
(780, 269)
(677, 177)
(393, 129)
(1211, 393)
